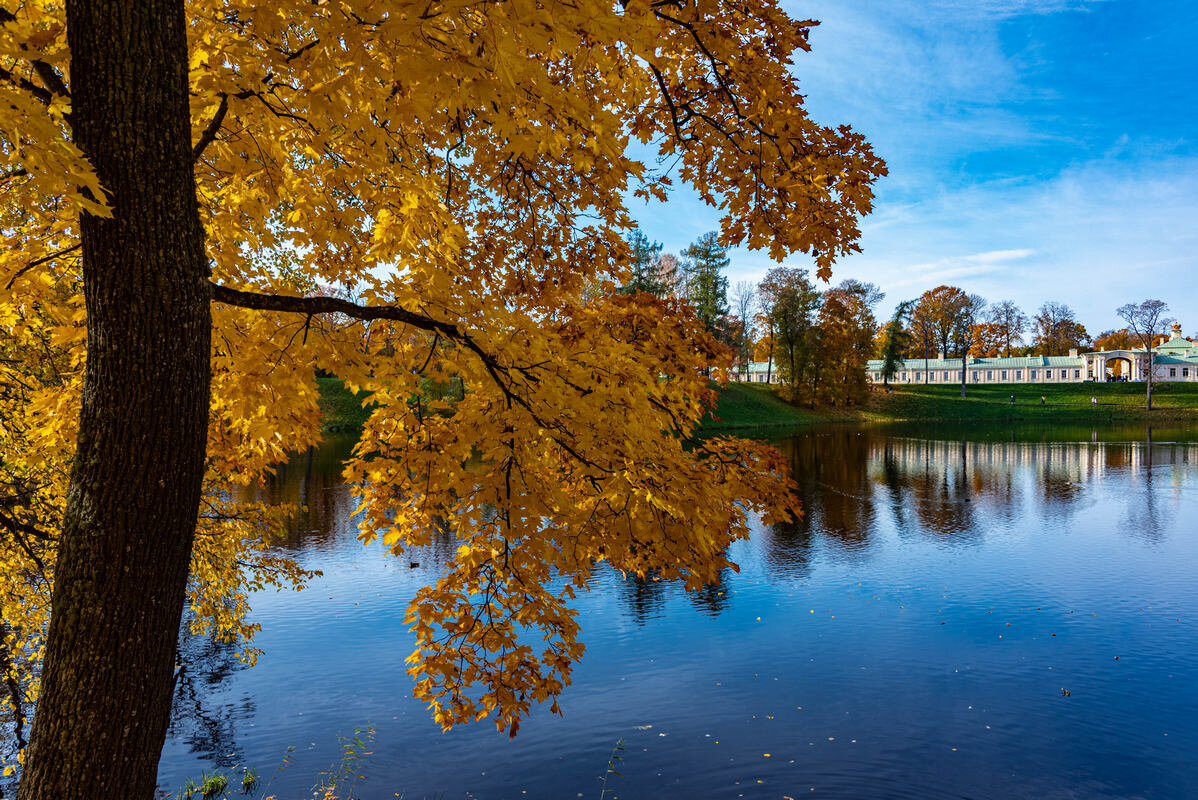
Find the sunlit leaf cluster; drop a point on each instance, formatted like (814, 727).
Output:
(468, 166)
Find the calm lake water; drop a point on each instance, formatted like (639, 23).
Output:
(911, 637)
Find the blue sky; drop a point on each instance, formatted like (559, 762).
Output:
(1038, 149)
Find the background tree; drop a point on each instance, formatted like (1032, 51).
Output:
(970, 309)
(870, 293)
(789, 300)
(744, 305)
(988, 340)
(1009, 323)
(1121, 339)
(706, 259)
(670, 275)
(846, 331)
(1055, 330)
(895, 339)
(154, 154)
(644, 269)
(1146, 321)
(938, 312)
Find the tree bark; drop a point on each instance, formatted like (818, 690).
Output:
(1148, 404)
(119, 587)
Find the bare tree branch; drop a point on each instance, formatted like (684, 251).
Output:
(209, 134)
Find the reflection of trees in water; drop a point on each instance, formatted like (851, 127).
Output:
(199, 717)
(832, 472)
(312, 483)
(939, 488)
(644, 597)
(1143, 518)
(947, 485)
(929, 484)
(714, 598)
(787, 547)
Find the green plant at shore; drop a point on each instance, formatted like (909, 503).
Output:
(339, 781)
(249, 780)
(613, 763)
(188, 791)
(212, 786)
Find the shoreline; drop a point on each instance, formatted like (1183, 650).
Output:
(747, 406)
(743, 407)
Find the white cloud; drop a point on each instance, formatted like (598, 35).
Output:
(956, 105)
(1096, 236)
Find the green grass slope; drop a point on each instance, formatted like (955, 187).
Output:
(1064, 402)
(746, 405)
(340, 409)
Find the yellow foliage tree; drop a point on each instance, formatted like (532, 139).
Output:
(179, 179)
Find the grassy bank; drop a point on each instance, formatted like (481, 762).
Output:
(341, 410)
(746, 405)
(1117, 402)
(754, 406)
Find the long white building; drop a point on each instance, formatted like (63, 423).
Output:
(1173, 360)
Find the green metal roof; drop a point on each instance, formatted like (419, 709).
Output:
(1013, 362)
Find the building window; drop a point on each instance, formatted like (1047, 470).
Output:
(1172, 372)
(1077, 373)
(946, 375)
(975, 376)
(1018, 374)
(1185, 372)
(1064, 374)
(1033, 374)
(1004, 374)
(904, 376)
(989, 374)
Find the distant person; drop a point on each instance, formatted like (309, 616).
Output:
(1093, 400)
(1041, 399)
(1012, 399)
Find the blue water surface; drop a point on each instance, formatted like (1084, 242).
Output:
(979, 614)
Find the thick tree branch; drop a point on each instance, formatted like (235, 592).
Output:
(54, 84)
(209, 134)
(332, 305)
(499, 373)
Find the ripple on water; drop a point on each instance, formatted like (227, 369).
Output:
(910, 637)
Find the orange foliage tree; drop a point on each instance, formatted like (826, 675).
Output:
(176, 178)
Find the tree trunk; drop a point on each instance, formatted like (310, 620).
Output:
(964, 366)
(119, 587)
(1149, 401)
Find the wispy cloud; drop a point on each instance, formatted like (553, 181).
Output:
(1038, 149)
(958, 268)
(1011, 8)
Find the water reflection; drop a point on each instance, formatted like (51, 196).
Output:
(847, 477)
(204, 716)
(913, 628)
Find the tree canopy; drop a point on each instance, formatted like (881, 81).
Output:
(462, 173)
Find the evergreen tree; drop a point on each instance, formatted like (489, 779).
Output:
(895, 341)
(646, 273)
(706, 259)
